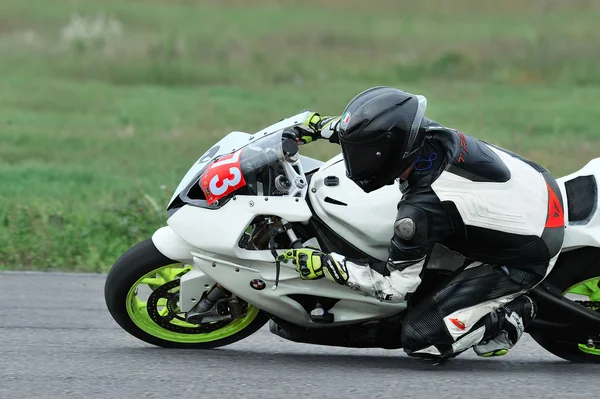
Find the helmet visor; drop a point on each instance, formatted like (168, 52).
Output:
(364, 159)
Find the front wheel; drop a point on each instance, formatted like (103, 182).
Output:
(141, 292)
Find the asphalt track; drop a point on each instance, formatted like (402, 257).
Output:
(57, 340)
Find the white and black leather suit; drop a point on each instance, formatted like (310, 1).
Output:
(500, 211)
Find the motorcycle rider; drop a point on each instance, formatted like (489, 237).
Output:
(500, 211)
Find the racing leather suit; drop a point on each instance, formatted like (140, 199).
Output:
(500, 211)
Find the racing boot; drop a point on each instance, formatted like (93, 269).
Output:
(505, 327)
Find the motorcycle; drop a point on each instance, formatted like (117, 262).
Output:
(210, 277)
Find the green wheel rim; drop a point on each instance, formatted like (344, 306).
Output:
(590, 289)
(138, 313)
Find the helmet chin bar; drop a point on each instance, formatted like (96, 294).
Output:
(380, 180)
(368, 185)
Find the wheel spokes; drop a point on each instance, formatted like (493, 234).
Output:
(153, 281)
(139, 305)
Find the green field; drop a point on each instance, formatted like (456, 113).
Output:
(105, 104)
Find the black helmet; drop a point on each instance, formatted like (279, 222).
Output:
(380, 135)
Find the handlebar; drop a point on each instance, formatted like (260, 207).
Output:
(296, 243)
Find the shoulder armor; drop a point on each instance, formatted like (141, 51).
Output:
(477, 162)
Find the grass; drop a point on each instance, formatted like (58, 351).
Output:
(97, 129)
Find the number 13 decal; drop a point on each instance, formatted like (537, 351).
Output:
(222, 177)
(216, 189)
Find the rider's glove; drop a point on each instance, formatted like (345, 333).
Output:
(313, 264)
(309, 130)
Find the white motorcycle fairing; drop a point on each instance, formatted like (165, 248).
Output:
(364, 220)
(218, 258)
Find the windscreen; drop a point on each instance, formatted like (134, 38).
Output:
(251, 170)
(267, 167)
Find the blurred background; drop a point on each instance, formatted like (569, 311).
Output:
(106, 104)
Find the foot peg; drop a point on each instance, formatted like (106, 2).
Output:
(320, 315)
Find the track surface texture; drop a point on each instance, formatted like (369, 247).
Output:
(59, 341)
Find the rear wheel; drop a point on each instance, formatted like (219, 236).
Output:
(579, 281)
(142, 293)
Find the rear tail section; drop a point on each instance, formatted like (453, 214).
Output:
(580, 197)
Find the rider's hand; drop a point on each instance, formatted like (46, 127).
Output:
(305, 132)
(300, 134)
(313, 264)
